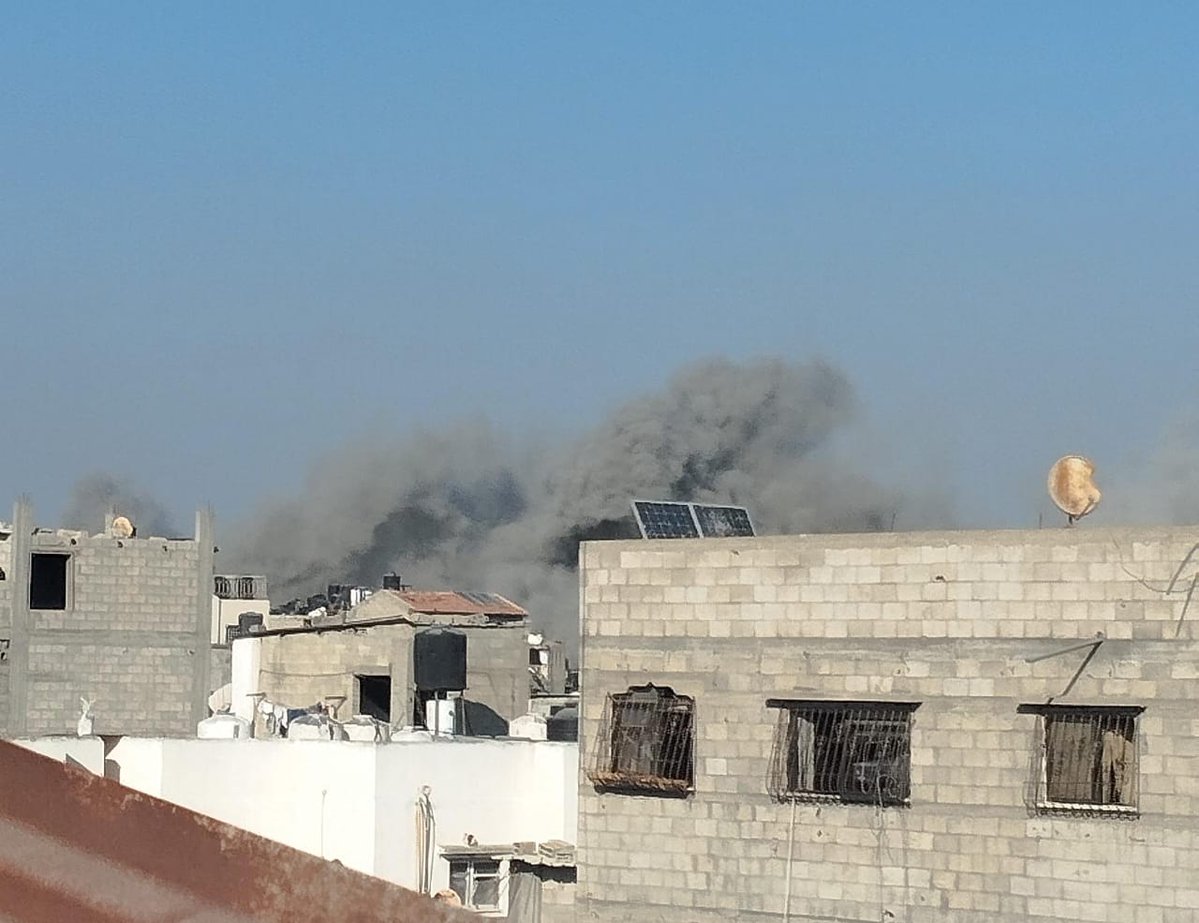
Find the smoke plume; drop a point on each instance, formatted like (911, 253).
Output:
(1164, 487)
(463, 507)
(96, 495)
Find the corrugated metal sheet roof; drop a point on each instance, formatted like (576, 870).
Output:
(457, 602)
(77, 847)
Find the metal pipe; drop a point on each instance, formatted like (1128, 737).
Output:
(790, 855)
(1099, 639)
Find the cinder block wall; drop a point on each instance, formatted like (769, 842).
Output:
(949, 620)
(6, 651)
(300, 669)
(133, 636)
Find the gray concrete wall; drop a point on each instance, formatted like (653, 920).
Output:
(497, 668)
(949, 620)
(303, 668)
(220, 666)
(558, 901)
(133, 637)
(6, 586)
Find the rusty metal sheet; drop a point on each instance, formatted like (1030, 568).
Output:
(74, 846)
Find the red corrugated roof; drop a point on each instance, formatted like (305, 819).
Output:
(77, 847)
(456, 602)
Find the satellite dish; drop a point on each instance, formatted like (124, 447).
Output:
(122, 527)
(1071, 487)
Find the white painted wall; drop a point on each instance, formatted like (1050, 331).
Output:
(87, 751)
(244, 665)
(226, 611)
(498, 791)
(355, 802)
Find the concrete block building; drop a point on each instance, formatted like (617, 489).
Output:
(945, 726)
(364, 662)
(121, 621)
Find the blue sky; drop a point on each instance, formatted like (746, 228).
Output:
(234, 236)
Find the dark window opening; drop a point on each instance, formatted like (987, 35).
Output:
(855, 752)
(646, 742)
(48, 581)
(374, 697)
(476, 882)
(1088, 759)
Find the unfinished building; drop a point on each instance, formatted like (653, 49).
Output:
(925, 727)
(115, 620)
(394, 654)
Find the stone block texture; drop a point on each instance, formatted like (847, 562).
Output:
(302, 668)
(955, 621)
(129, 636)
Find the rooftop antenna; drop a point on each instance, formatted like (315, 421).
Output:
(1071, 487)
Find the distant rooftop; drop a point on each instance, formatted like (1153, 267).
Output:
(457, 602)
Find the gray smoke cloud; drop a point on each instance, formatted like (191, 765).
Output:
(464, 507)
(96, 495)
(1164, 486)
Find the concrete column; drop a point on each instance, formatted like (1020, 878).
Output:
(18, 651)
(201, 662)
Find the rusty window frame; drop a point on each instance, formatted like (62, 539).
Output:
(646, 743)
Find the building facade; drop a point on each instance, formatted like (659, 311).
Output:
(365, 662)
(361, 804)
(936, 726)
(115, 620)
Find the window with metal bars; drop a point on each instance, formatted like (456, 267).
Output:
(645, 743)
(856, 752)
(1086, 759)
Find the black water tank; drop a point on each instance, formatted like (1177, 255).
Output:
(439, 660)
(563, 724)
(393, 582)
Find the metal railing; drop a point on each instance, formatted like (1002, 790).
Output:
(1085, 760)
(646, 742)
(239, 587)
(841, 751)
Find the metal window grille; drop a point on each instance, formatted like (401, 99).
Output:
(243, 587)
(645, 742)
(856, 752)
(1085, 760)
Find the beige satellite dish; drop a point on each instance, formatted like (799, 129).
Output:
(1071, 486)
(122, 527)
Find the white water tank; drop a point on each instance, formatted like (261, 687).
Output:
(223, 727)
(530, 727)
(441, 715)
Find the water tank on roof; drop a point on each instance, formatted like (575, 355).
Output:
(530, 727)
(223, 727)
(439, 660)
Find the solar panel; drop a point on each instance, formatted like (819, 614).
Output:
(723, 521)
(658, 519)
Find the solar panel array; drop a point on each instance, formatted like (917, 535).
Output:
(722, 521)
(665, 520)
(672, 519)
